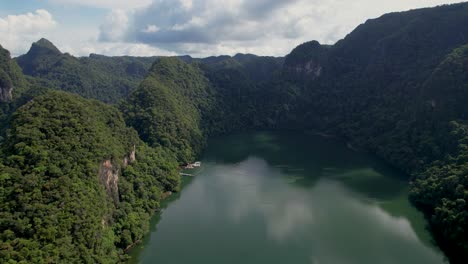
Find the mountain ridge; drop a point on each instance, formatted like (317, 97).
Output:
(396, 86)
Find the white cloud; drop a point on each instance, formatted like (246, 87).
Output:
(115, 26)
(187, 4)
(17, 32)
(151, 29)
(291, 215)
(203, 27)
(197, 27)
(108, 4)
(115, 49)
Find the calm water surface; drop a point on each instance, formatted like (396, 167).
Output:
(288, 198)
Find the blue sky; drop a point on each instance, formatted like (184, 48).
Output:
(195, 27)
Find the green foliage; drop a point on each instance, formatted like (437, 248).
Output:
(12, 85)
(108, 79)
(396, 86)
(178, 105)
(441, 192)
(50, 189)
(166, 109)
(12, 81)
(140, 190)
(441, 189)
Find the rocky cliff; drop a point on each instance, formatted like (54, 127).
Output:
(6, 89)
(307, 61)
(10, 76)
(109, 173)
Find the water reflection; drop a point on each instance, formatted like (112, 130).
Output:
(285, 211)
(329, 217)
(275, 205)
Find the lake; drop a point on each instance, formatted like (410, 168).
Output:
(268, 197)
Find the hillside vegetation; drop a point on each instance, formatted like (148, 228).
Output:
(396, 86)
(108, 79)
(54, 207)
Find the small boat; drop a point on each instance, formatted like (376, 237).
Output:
(197, 164)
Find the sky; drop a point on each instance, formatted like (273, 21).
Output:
(199, 28)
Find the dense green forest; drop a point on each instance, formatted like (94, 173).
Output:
(108, 79)
(12, 84)
(111, 79)
(396, 86)
(55, 208)
(11, 78)
(166, 109)
(405, 101)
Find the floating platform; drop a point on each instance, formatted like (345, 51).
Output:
(193, 165)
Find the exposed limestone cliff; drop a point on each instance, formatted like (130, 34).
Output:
(307, 61)
(131, 157)
(6, 91)
(109, 176)
(11, 77)
(109, 173)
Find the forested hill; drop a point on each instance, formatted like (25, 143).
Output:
(76, 184)
(376, 82)
(11, 78)
(12, 84)
(110, 79)
(397, 86)
(168, 106)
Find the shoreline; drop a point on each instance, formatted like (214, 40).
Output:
(164, 196)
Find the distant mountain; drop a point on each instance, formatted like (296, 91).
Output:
(108, 79)
(41, 56)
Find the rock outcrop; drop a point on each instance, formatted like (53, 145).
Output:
(109, 173)
(6, 90)
(10, 76)
(307, 61)
(109, 176)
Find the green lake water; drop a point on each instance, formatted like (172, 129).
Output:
(288, 198)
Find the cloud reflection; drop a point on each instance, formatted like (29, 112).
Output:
(332, 220)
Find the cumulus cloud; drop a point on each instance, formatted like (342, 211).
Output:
(151, 29)
(196, 27)
(117, 49)
(108, 4)
(205, 21)
(115, 26)
(83, 46)
(261, 26)
(18, 31)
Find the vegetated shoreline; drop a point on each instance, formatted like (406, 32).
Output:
(336, 139)
(164, 197)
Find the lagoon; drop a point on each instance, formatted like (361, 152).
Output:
(267, 197)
